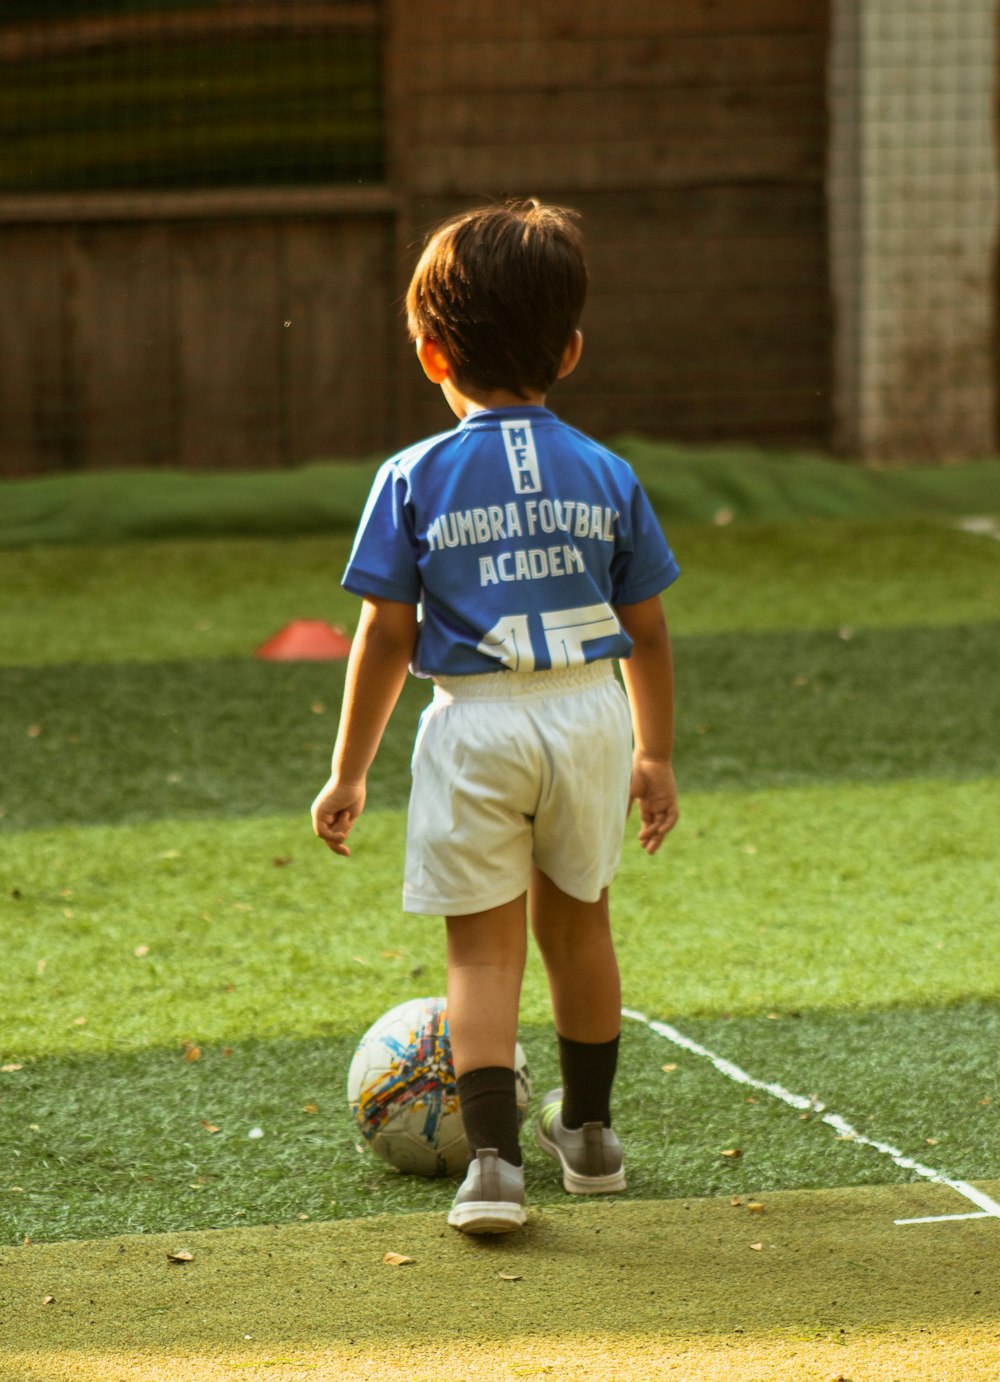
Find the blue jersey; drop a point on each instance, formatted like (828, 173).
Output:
(518, 535)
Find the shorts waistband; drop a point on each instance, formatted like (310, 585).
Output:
(509, 686)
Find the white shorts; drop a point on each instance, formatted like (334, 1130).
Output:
(512, 770)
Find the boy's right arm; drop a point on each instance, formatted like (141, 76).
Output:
(380, 655)
(649, 680)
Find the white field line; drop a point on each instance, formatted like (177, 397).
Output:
(988, 1208)
(982, 525)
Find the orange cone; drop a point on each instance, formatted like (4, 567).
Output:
(306, 640)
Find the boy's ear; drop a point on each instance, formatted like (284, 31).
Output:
(571, 355)
(433, 360)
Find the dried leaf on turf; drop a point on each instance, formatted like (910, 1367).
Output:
(511, 1276)
(210, 1127)
(734, 1153)
(397, 1259)
(192, 1053)
(48, 1300)
(182, 1255)
(668, 1069)
(755, 1207)
(756, 1247)
(310, 1108)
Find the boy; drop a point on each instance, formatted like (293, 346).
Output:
(512, 560)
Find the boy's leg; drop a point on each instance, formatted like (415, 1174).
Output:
(578, 951)
(575, 941)
(486, 954)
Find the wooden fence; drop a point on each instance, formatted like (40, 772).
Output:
(691, 135)
(262, 328)
(193, 330)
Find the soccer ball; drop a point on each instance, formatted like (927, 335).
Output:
(401, 1088)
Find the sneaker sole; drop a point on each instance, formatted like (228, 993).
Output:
(573, 1181)
(487, 1216)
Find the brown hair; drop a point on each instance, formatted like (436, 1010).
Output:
(501, 289)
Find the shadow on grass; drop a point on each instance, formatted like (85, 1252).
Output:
(260, 1132)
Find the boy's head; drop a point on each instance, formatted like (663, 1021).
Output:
(500, 289)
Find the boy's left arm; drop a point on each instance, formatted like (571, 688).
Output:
(376, 671)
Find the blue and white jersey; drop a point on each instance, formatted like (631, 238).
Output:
(518, 535)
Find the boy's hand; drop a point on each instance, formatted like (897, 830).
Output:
(654, 788)
(335, 810)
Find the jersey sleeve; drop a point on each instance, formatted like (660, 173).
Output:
(383, 560)
(644, 564)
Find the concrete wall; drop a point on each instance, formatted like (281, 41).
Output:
(913, 221)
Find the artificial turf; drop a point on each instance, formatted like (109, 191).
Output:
(125, 743)
(825, 912)
(846, 933)
(815, 1285)
(194, 599)
(257, 1132)
(833, 896)
(699, 484)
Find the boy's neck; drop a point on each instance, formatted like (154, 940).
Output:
(465, 402)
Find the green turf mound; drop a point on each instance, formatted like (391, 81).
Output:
(688, 483)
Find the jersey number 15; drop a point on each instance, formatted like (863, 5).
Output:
(565, 632)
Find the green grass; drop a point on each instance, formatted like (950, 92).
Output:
(687, 484)
(108, 742)
(172, 599)
(835, 896)
(924, 1079)
(114, 506)
(122, 1138)
(825, 914)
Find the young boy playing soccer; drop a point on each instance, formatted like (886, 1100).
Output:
(513, 560)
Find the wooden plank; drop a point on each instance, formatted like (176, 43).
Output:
(633, 264)
(120, 350)
(780, 419)
(35, 431)
(228, 323)
(697, 124)
(569, 142)
(552, 20)
(605, 66)
(646, 216)
(340, 339)
(558, 171)
(225, 203)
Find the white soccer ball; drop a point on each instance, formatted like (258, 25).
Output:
(401, 1088)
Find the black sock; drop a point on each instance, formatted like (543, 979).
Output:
(488, 1101)
(588, 1072)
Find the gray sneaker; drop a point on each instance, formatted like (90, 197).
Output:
(591, 1156)
(491, 1198)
